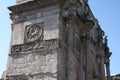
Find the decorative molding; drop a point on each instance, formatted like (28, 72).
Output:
(34, 32)
(31, 5)
(16, 77)
(36, 45)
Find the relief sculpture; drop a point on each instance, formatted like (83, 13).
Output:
(34, 40)
(32, 46)
(33, 32)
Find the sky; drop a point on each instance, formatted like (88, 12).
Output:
(5, 32)
(106, 11)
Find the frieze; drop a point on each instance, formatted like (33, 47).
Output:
(40, 45)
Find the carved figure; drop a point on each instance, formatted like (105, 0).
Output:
(33, 33)
(32, 46)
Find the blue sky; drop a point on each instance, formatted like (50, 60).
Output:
(108, 14)
(106, 11)
(5, 32)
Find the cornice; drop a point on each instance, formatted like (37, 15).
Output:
(19, 8)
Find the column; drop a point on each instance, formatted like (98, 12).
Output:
(88, 73)
(102, 76)
(108, 71)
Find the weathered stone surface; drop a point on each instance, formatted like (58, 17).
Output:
(39, 45)
(22, 1)
(35, 53)
(56, 40)
(48, 17)
(33, 63)
(33, 32)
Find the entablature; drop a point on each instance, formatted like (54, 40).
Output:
(31, 5)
